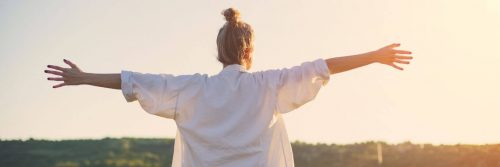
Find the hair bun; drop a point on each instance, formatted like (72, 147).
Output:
(232, 15)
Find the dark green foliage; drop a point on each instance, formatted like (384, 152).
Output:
(83, 153)
(396, 155)
(158, 152)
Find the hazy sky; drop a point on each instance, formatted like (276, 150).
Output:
(449, 94)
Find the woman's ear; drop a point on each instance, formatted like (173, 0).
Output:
(248, 53)
(247, 58)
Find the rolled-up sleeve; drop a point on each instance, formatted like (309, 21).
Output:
(300, 84)
(156, 93)
(126, 86)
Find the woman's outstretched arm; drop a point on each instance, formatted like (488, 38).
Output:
(75, 76)
(386, 55)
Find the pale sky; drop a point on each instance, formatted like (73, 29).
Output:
(449, 94)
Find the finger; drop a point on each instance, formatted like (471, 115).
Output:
(56, 67)
(59, 85)
(403, 57)
(393, 45)
(402, 62)
(71, 64)
(402, 52)
(55, 79)
(53, 72)
(397, 67)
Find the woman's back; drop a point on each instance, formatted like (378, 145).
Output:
(230, 118)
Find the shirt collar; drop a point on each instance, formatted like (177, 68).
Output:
(234, 67)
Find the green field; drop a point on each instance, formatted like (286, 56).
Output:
(158, 152)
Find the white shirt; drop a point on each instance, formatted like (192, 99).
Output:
(232, 119)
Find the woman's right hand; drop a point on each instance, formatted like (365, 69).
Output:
(389, 56)
(69, 76)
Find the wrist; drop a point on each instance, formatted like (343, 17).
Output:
(84, 78)
(372, 57)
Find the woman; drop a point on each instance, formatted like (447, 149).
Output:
(233, 118)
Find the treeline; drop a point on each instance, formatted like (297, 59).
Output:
(137, 152)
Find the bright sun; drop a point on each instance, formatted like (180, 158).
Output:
(494, 6)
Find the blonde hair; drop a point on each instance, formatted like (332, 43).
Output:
(234, 39)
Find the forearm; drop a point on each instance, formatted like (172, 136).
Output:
(346, 63)
(112, 81)
(386, 55)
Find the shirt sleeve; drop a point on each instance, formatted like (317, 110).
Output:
(300, 84)
(156, 93)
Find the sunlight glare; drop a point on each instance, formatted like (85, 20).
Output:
(494, 6)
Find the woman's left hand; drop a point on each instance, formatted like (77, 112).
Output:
(390, 56)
